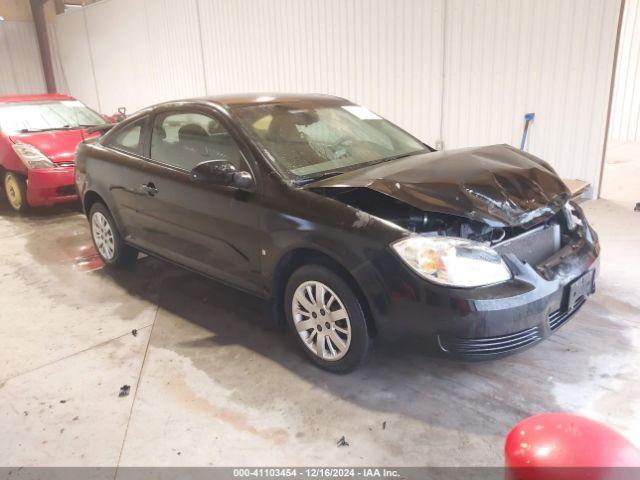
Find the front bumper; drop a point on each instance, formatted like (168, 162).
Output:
(493, 320)
(50, 186)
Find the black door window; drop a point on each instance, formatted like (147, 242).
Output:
(185, 139)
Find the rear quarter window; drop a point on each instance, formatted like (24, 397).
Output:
(128, 138)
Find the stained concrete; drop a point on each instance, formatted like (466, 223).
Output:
(215, 382)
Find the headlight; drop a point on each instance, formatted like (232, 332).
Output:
(451, 261)
(31, 156)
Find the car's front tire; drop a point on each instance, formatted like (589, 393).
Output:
(15, 190)
(327, 318)
(107, 239)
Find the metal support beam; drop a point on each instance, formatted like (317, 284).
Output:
(59, 5)
(613, 81)
(37, 10)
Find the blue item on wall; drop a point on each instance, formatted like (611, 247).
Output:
(528, 118)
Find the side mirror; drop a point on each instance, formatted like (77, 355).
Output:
(221, 172)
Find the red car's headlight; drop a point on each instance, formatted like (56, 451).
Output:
(31, 156)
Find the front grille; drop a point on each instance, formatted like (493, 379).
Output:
(533, 246)
(489, 345)
(559, 317)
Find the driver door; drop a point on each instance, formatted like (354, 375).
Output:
(210, 228)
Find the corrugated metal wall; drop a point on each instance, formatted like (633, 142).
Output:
(21, 69)
(384, 54)
(58, 71)
(625, 110)
(461, 71)
(146, 51)
(73, 54)
(554, 58)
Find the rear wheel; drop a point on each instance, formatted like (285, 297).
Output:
(15, 189)
(327, 318)
(107, 238)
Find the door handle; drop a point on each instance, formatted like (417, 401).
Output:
(149, 188)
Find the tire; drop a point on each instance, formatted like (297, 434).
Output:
(107, 239)
(15, 190)
(347, 342)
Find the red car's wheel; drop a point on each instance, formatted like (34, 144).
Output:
(15, 189)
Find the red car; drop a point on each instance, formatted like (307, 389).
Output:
(38, 139)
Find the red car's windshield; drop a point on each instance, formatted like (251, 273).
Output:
(26, 117)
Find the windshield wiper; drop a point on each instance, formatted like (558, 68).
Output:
(322, 176)
(333, 173)
(48, 129)
(402, 155)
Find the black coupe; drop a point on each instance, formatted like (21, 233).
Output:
(350, 225)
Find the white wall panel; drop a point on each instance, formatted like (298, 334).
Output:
(464, 71)
(75, 56)
(58, 70)
(384, 54)
(118, 44)
(174, 50)
(146, 51)
(508, 57)
(625, 110)
(21, 70)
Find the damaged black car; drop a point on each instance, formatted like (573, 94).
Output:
(348, 224)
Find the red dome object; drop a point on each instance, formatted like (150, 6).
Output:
(564, 440)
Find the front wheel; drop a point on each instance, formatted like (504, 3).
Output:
(107, 239)
(15, 189)
(327, 318)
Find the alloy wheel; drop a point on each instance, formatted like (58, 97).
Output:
(103, 235)
(321, 320)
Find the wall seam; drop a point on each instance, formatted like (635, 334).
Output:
(613, 79)
(59, 57)
(93, 68)
(444, 66)
(202, 59)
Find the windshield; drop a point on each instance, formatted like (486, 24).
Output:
(26, 117)
(311, 142)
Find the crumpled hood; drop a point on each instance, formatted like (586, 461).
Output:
(58, 145)
(498, 184)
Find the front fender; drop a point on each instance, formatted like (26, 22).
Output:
(351, 238)
(9, 159)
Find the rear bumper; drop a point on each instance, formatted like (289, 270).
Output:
(51, 186)
(491, 321)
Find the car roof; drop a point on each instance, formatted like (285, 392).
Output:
(34, 97)
(245, 99)
(225, 102)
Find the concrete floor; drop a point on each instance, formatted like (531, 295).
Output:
(214, 382)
